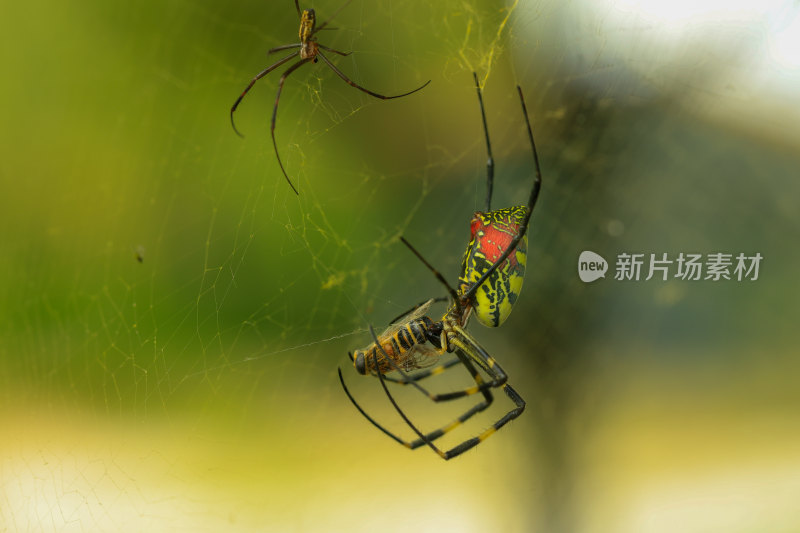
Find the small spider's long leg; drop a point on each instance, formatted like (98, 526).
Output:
(275, 116)
(360, 88)
(322, 26)
(334, 51)
(253, 82)
(297, 5)
(490, 161)
(451, 290)
(284, 47)
(537, 185)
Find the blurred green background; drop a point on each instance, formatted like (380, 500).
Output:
(173, 315)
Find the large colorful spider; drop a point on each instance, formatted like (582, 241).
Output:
(310, 51)
(489, 284)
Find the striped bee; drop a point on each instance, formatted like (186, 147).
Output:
(412, 342)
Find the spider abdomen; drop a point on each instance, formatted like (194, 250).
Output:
(492, 233)
(308, 20)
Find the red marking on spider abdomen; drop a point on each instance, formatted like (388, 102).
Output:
(493, 233)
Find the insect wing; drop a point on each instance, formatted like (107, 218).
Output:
(411, 315)
(420, 356)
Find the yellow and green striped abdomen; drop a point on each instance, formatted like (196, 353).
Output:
(308, 20)
(492, 233)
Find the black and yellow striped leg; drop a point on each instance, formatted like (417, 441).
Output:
(419, 376)
(433, 435)
(468, 351)
(423, 439)
(511, 415)
(467, 444)
(481, 386)
(466, 344)
(488, 398)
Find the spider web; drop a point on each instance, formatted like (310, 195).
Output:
(174, 315)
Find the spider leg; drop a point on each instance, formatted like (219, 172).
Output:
(429, 438)
(253, 82)
(451, 290)
(360, 88)
(467, 350)
(491, 430)
(481, 387)
(537, 185)
(284, 47)
(466, 344)
(490, 161)
(467, 444)
(322, 26)
(406, 380)
(297, 5)
(332, 50)
(483, 359)
(423, 439)
(365, 415)
(275, 115)
(419, 376)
